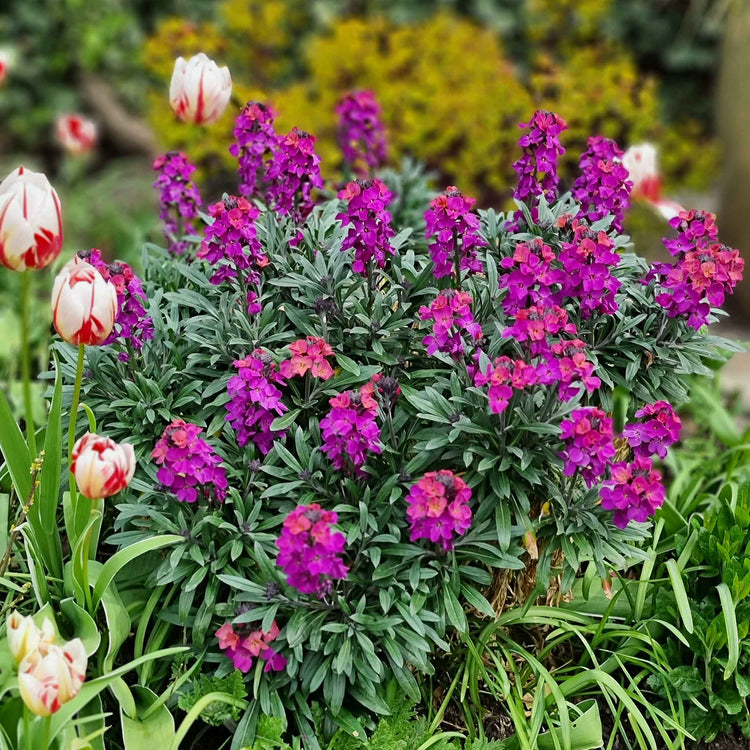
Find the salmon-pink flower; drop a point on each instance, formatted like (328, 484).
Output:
(101, 466)
(200, 89)
(84, 304)
(30, 221)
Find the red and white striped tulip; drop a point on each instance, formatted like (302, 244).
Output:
(30, 221)
(101, 466)
(75, 133)
(200, 89)
(6, 61)
(641, 161)
(84, 304)
(25, 637)
(47, 681)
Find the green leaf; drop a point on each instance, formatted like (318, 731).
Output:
(681, 597)
(348, 364)
(281, 423)
(14, 450)
(688, 680)
(730, 622)
(120, 559)
(157, 731)
(454, 610)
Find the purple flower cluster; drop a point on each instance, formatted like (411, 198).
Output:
(256, 139)
(293, 172)
(587, 262)
(534, 324)
(452, 320)
(369, 222)
(439, 507)
(361, 132)
(243, 646)
(531, 276)
(503, 377)
(589, 448)
(189, 467)
(255, 400)
(658, 428)
(569, 368)
(350, 429)
(456, 232)
(603, 187)
(179, 199)
(133, 325)
(231, 243)
(694, 228)
(705, 271)
(310, 551)
(634, 491)
(537, 167)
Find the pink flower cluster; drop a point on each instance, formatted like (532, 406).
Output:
(242, 646)
(231, 242)
(369, 222)
(503, 377)
(189, 467)
(534, 324)
(255, 140)
(588, 444)
(308, 354)
(439, 507)
(179, 199)
(537, 167)
(658, 428)
(452, 320)
(133, 325)
(531, 276)
(700, 279)
(310, 551)
(350, 429)
(255, 400)
(361, 132)
(694, 228)
(569, 368)
(293, 172)
(456, 233)
(603, 187)
(587, 262)
(634, 491)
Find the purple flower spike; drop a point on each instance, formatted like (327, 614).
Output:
(588, 444)
(361, 132)
(256, 139)
(634, 492)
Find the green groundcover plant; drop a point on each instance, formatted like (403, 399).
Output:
(362, 417)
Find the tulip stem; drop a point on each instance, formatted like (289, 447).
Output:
(72, 439)
(26, 361)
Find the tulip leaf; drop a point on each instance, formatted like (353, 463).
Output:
(156, 730)
(14, 450)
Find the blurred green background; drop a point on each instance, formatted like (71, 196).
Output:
(454, 78)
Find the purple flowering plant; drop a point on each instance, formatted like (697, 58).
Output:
(459, 414)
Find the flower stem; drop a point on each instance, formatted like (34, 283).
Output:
(26, 361)
(72, 439)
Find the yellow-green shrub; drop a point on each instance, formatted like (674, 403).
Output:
(449, 94)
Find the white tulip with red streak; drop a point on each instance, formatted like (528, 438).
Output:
(75, 133)
(200, 89)
(30, 221)
(84, 304)
(101, 466)
(642, 163)
(25, 637)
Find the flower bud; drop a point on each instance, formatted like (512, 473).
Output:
(84, 304)
(47, 682)
(75, 133)
(24, 637)
(101, 466)
(200, 90)
(30, 221)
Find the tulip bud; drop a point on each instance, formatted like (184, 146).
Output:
(30, 221)
(642, 163)
(75, 133)
(84, 304)
(200, 90)
(25, 638)
(48, 682)
(101, 466)
(6, 61)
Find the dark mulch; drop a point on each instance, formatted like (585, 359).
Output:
(727, 742)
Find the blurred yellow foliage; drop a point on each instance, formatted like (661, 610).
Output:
(449, 94)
